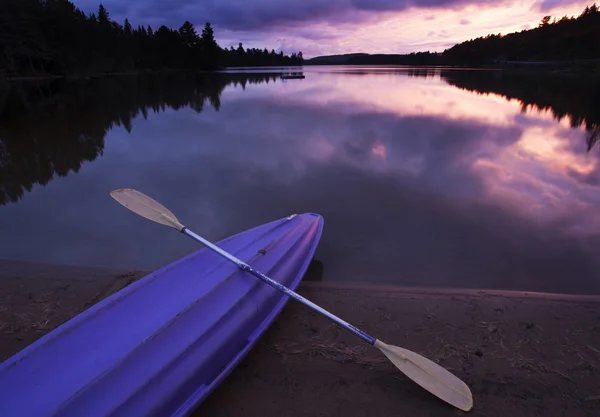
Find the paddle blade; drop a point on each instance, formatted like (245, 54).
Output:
(146, 207)
(429, 375)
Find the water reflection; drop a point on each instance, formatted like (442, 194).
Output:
(572, 98)
(49, 129)
(420, 183)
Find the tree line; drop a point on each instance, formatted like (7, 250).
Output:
(566, 38)
(415, 58)
(55, 37)
(240, 57)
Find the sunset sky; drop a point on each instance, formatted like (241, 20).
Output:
(321, 27)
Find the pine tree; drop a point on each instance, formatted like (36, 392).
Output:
(188, 34)
(103, 17)
(127, 28)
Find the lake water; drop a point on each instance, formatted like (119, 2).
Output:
(446, 178)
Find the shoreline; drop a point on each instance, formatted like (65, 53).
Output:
(89, 76)
(521, 353)
(399, 291)
(37, 270)
(516, 67)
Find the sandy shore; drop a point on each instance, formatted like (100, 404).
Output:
(522, 354)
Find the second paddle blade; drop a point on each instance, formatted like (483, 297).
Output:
(429, 375)
(146, 207)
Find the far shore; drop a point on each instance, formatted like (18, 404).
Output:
(550, 68)
(87, 76)
(521, 353)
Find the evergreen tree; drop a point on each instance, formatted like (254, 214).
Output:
(208, 47)
(127, 28)
(188, 34)
(103, 17)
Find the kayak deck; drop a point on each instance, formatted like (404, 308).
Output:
(162, 344)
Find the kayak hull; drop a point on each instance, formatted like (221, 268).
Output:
(161, 345)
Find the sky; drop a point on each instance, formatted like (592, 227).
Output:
(323, 27)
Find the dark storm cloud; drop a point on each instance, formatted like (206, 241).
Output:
(261, 14)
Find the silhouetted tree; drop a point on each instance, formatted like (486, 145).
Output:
(188, 35)
(545, 21)
(103, 17)
(127, 28)
(208, 46)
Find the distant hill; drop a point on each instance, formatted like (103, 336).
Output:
(331, 59)
(419, 58)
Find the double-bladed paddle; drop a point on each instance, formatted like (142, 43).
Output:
(421, 370)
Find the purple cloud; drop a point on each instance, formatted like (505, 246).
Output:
(591, 178)
(442, 34)
(261, 14)
(464, 22)
(547, 5)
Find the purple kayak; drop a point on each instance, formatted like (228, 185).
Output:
(161, 345)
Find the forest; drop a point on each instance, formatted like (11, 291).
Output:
(54, 37)
(415, 58)
(566, 38)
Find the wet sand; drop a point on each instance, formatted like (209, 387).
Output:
(522, 354)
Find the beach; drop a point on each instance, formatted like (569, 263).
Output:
(522, 354)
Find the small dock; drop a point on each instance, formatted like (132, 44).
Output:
(292, 75)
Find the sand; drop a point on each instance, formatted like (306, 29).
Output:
(522, 354)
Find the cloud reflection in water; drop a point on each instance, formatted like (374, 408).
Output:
(420, 183)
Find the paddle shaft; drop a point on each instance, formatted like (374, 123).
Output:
(278, 286)
(424, 372)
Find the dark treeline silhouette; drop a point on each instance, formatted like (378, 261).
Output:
(52, 128)
(418, 58)
(575, 98)
(415, 58)
(55, 37)
(568, 38)
(240, 57)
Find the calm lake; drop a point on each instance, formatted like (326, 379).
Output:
(446, 178)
